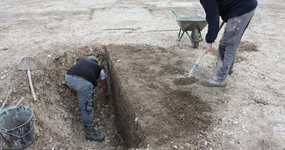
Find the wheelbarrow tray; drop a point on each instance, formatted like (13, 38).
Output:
(190, 23)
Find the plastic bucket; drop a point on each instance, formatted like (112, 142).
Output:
(17, 127)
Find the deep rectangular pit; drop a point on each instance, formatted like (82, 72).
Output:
(129, 128)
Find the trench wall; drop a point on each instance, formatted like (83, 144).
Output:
(129, 129)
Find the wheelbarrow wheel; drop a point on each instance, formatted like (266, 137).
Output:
(195, 38)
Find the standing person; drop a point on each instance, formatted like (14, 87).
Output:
(237, 14)
(82, 77)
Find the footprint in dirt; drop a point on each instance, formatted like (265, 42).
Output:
(185, 81)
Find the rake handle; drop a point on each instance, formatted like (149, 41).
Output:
(31, 85)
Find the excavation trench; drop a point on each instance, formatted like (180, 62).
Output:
(58, 120)
(60, 109)
(147, 107)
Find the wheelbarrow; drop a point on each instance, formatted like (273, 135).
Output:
(194, 24)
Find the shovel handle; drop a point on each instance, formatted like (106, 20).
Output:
(21, 100)
(31, 85)
(221, 26)
(4, 103)
(203, 52)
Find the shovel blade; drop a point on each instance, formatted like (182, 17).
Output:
(28, 63)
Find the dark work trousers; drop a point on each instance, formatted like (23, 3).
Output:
(85, 93)
(228, 46)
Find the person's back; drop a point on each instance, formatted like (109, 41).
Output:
(226, 9)
(233, 8)
(87, 69)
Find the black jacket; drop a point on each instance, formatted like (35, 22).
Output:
(226, 9)
(87, 69)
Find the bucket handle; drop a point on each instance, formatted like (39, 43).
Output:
(5, 131)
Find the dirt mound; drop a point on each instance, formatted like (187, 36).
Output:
(185, 81)
(246, 46)
(189, 110)
(167, 111)
(240, 59)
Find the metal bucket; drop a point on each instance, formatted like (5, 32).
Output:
(17, 127)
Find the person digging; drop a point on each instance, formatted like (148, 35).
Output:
(82, 77)
(237, 14)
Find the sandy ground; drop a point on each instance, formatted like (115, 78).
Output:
(58, 32)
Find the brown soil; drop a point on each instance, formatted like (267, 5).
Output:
(185, 81)
(179, 114)
(246, 46)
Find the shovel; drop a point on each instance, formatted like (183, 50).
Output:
(29, 63)
(203, 52)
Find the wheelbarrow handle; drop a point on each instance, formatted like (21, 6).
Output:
(31, 85)
(196, 12)
(174, 12)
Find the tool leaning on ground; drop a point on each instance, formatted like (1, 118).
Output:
(203, 52)
(2, 109)
(5, 102)
(29, 63)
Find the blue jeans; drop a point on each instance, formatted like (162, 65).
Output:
(85, 94)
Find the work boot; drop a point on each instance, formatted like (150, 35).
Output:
(93, 135)
(213, 83)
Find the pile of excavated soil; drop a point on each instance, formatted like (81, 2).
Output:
(185, 81)
(166, 111)
(246, 46)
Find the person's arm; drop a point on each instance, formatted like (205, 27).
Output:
(212, 17)
(104, 86)
(103, 82)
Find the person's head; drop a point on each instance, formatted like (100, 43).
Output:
(94, 58)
